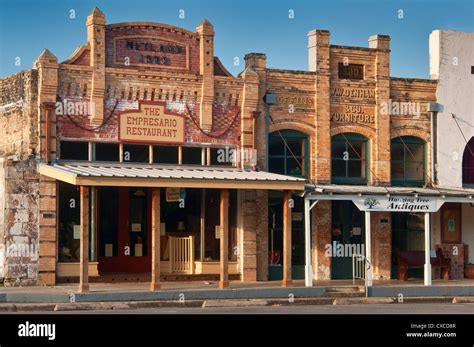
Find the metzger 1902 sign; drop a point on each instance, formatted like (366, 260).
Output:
(151, 123)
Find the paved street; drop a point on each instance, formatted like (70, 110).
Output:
(297, 309)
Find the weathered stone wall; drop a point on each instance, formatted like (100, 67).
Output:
(18, 178)
(18, 114)
(21, 223)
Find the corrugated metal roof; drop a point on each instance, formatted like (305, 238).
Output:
(77, 172)
(352, 189)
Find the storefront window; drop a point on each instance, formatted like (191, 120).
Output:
(69, 223)
(106, 151)
(192, 155)
(468, 164)
(224, 156)
(165, 154)
(135, 153)
(408, 161)
(74, 150)
(349, 159)
(288, 153)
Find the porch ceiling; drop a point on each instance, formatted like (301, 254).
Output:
(152, 175)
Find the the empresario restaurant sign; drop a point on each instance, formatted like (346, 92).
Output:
(151, 123)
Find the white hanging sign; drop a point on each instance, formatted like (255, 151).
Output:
(398, 203)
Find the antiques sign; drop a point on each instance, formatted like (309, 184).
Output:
(398, 203)
(151, 124)
(146, 51)
(352, 114)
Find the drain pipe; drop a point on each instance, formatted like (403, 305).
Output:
(433, 109)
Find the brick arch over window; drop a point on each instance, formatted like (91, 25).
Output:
(301, 127)
(415, 132)
(354, 129)
(468, 164)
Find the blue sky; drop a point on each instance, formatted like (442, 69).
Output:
(241, 26)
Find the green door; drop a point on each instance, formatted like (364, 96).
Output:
(347, 238)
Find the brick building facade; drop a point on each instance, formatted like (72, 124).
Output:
(124, 66)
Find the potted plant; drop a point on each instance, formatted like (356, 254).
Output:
(469, 270)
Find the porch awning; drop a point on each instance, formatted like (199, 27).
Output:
(378, 190)
(153, 175)
(376, 198)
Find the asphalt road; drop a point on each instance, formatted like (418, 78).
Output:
(412, 308)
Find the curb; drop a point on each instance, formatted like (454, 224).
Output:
(463, 300)
(363, 301)
(235, 303)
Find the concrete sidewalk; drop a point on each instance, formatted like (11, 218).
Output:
(139, 305)
(203, 290)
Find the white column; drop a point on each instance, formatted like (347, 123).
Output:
(427, 250)
(368, 249)
(308, 276)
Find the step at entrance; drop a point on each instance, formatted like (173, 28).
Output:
(344, 291)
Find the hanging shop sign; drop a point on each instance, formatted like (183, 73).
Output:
(398, 203)
(151, 123)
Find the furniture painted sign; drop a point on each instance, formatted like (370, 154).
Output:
(151, 124)
(398, 203)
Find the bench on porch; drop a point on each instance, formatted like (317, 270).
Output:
(416, 259)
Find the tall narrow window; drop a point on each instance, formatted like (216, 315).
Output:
(288, 153)
(349, 153)
(407, 161)
(468, 164)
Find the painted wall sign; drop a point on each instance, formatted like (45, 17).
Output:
(150, 51)
(351, 71)
(295, 100)
(356, 93)
(151, 123)
(352, 114)
(398, 203)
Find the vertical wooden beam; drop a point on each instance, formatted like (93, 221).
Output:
(286, 239)
(224, 239)
(84, 239)
(202, 249)
(155, 239)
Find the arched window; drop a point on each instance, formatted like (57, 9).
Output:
(468, 164)
(288, 153)
(407, 157)
(349, 154)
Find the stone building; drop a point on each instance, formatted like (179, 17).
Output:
(142, 155)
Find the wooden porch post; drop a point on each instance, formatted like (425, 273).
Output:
(224, 239)
(84, 239)
(286, 239)
(155, 239)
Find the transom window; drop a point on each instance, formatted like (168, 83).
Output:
(408, 161)
(349, 159)
(213, 155)
(287, 152)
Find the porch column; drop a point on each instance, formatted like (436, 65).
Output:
(286, 239)
(308, 276)
(427, 272)
(224, 235)
(155, 239)
(368, 249)
(84, 239)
